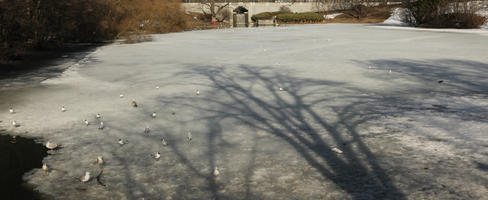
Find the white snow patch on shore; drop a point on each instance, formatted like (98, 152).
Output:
(397, 17)
(332, 16)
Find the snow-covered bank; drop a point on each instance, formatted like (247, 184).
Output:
(361, 114)
(397, 17)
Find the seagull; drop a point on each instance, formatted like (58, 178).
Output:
(157, 87)
(153, 115)
(282, 89)
(121, 142)
(45, 168)
(11, 110)
(121, 95)
(14, 123)
(86, 178)
(98, 116)
(100, 160)
(134, 103)
(337, 150)
(216, 172)
(189, 136)
(101, 126)
(198, 92)
(51, 145)
(13, 141)
(156, 156)
(164, 142)
(86, 122)
(63, 109)
(389, 71)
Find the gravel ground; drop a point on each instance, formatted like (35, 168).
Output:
(336, 111)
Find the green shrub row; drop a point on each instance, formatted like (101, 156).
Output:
(264, 15)
(289, 17)
(300, 17)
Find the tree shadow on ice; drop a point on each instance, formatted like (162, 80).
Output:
(457, 76)
(439, 80)
(305, 115)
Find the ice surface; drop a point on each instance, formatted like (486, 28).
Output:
(372, 93)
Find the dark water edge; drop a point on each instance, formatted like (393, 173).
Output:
(33, 61)
(17, 156)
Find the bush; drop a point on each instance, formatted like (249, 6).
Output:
(445, 13)
(359, 11)
(299, 17)
(264, 15)
(289, 17)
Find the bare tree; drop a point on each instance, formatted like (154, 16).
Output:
(214, 7)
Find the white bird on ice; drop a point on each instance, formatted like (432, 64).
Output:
(63, 109)
(156, 156)
(121, 142)
(86, 178)
(100, 160)
(45, 168)
(98, 116)
(164, 142)
(14, 123)
(157, 87)
(198, 92)
(51, 145)
(153, 115)
(189, 136)
(11, 111)
(86, 122)
(101, 126)
(282, 89)
(337, 150)
(216, 172)
(13, 141)
(121, 95)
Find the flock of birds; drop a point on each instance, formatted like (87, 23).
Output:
(87, 176)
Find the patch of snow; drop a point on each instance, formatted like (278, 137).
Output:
(397, 17)
(332, 16)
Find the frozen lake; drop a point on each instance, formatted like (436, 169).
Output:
(363, 112)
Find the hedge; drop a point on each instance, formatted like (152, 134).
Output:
(300, 17)
(290, 17)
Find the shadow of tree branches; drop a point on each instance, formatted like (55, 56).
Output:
(309, 115)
